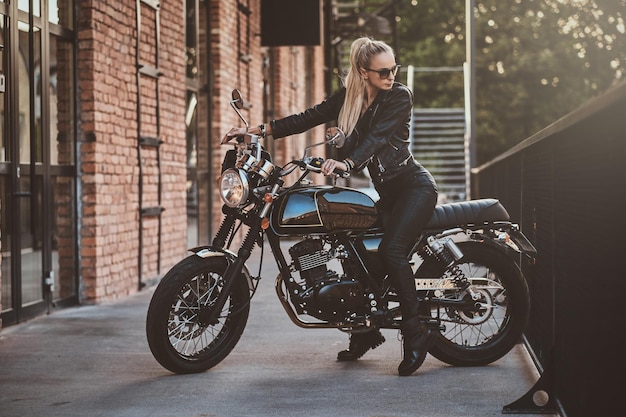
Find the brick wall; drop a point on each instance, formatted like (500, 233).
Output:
(275, 81)
(173, 151)
(109, 167)
(108, 127)
(64, 187)
(296, 86)
(292, 85)
(230, 38)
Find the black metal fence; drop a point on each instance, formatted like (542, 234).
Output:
(566, 187)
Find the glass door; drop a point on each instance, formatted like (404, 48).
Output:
(37, 174)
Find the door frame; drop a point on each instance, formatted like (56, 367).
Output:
(40, 173)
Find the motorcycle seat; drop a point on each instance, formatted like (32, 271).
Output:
(467, 212)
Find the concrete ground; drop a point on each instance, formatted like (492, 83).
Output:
(95, 361)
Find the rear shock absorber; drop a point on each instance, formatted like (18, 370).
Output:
(448, 253)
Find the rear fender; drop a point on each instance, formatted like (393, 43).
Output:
(211, 251)
(509, 238)
(523, 243)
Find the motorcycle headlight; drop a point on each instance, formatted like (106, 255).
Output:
(234, 187)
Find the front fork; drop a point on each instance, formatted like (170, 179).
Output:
(245, 250)
(224, 231)
(234, 268)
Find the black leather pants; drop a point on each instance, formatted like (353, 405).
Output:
(407, 203)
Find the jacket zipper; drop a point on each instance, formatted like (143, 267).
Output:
(381, 168)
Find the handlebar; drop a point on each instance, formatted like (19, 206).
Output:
(315, 165)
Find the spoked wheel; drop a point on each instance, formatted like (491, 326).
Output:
(184, 333)
(486, 329)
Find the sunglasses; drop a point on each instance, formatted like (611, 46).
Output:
(384, 73)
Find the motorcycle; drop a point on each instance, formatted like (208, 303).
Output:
(471, 289)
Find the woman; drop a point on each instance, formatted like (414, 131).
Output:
(374, 111)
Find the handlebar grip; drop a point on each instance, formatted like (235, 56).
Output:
(315, 165)
(341, 173)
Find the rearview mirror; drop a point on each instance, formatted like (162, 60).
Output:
(335, 137)
(237, 104)
(237, 100)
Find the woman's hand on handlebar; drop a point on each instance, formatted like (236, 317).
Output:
(233, 133)
(330, 166)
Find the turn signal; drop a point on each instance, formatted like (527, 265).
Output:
(504, 236)
(265, 223)
(268, 198)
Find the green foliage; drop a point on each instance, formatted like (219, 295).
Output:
(536, 60)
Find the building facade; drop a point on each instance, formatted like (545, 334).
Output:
(109, 145)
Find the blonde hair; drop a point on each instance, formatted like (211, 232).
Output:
(361, 53)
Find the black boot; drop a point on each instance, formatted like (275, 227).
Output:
(361, 343)
(417, 339)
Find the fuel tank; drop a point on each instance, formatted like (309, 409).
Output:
(322, 209)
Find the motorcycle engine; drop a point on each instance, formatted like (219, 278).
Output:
(324, 294)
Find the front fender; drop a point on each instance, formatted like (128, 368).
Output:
(210, 251)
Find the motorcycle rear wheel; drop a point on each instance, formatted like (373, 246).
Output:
(480, 336)
(177, 326)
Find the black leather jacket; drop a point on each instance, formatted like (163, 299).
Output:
(380, 139)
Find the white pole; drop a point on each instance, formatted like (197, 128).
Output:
(410, 70)
(470, 93)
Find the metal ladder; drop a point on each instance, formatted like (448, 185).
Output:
(439, 145)
(149, 71)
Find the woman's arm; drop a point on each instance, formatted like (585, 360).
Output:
(324, 112)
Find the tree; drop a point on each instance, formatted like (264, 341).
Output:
(536, 60)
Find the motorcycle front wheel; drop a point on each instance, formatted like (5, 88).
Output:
(182, 335)
(486, 332)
